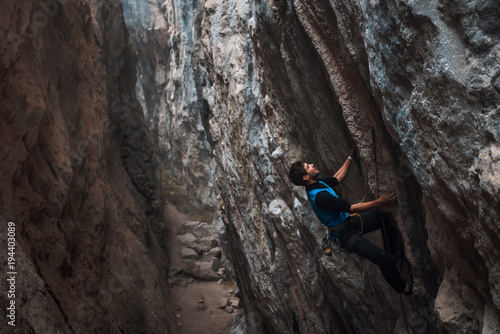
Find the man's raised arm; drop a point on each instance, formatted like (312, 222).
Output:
(344, 170)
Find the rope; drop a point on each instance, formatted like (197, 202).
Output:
(366, 193)
(402, 304)
(378, 191)
(355, 216)
(404, 313)
(382, 219)
(366, 186)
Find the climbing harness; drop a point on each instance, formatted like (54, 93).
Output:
(352, 219)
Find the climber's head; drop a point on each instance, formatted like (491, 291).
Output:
(302, 173)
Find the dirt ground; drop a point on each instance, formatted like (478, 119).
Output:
(195, 303)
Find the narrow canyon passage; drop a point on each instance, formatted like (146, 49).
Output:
(146, 146)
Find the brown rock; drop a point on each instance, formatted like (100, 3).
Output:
(234, 303)
(79, 172)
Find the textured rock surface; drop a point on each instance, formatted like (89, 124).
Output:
(200, 254)
(312, 78)
(234, 91)
(78, 174)
(174, 88)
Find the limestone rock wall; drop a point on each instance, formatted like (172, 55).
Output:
(174, 88)
(79, 173)
(413, 83)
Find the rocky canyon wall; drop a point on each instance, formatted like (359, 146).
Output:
(229, 94)
(261, 84)
(79, 175)
(175, 89)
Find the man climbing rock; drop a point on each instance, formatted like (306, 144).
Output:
(347, 222)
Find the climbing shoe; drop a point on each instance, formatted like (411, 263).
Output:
(326, 246)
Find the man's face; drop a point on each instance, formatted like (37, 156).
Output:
(311, 171)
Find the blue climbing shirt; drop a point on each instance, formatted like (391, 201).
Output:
(326, 217)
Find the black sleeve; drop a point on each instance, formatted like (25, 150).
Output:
(326, 201)
(331, 181)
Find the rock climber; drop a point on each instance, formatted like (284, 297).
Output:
(348, 222)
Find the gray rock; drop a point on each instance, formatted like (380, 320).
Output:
(215, 252)
(208, 243)
(214, 264)
(188, 240)
(203, 230)
(200, 271)
(188, 227)
(189, 254)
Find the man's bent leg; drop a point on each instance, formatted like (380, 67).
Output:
(372, 221)
(382, 259)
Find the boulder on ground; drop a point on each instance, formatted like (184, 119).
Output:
(188, 240)
(189, 254)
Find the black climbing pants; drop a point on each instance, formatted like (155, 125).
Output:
(371, 222)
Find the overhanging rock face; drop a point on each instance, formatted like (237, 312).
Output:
(300, 94)
(415, 84)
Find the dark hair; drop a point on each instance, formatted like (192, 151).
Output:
(297, 172)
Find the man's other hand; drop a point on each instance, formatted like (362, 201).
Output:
(387, 199)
